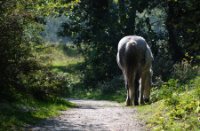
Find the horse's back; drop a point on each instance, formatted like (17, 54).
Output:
(131, 51)
(138, 39)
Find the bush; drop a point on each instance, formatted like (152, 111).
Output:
(44, 84)
(112, 86)
(21, 72)
(165, 90)
(182, 80)
(14, 49)
(184, 71)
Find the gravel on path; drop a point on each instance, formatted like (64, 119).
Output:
(93, 115)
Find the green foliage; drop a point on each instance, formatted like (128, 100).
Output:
(99, 26)
(22, 69)
(95, 32)
(113, 90)
(43, 72)
(119, 95)
(43, 78)
(44, 84)
(165, 91)
(176, 103)
(182, 28)
(14, 53)
(117, 83)
(177, 106)
(184, 71)
(29, 88)
(182, 80)
(61, 72)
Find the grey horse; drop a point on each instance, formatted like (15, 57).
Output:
(134, 58)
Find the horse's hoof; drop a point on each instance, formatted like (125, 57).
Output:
(128, 102)
(136, 103)
(146, 100)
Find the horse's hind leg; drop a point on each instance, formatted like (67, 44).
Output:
(136, 89)
(147, 87)
(128, 101)
(131, 91)
(142, 88)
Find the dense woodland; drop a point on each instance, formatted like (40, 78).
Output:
(94, 28)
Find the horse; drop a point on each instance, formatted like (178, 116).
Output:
(134, 58)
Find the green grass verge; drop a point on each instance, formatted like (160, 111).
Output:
(18, 115)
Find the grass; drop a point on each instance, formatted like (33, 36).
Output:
(21, 114)
(64, 59)
(98, 94)
(177, 112)
(58, 55)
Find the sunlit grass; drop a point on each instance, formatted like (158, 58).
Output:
(116, 1)
(59, 55)
(51, 109)
(64, 59)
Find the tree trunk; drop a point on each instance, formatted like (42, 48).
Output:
(132, 16)
(127, 14)
(175, 50)
(122, 16)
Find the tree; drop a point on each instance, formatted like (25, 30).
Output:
(20, 71)
(99, 25)
(183, 29)
(13, 53)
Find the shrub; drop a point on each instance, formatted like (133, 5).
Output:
(165, 90)
(21, 72)
(184, 71)
(182, 80)
(14, 50)
(111, 86)
(44, 84)
(177, 106)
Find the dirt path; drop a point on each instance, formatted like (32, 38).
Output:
(92, 115)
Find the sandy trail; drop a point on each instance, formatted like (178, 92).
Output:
(93, 115)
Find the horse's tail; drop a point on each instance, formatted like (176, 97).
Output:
(131, 59)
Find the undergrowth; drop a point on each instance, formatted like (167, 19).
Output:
(175, 106)
(113, 90)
